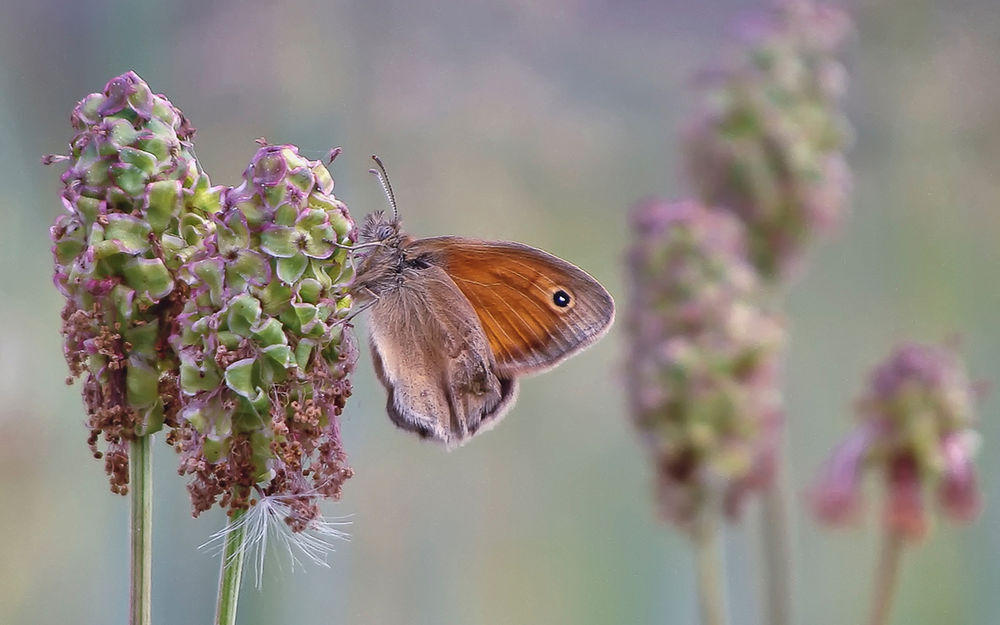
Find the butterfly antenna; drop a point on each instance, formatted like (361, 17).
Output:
(383, 178)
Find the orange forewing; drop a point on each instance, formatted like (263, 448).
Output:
(536, 309)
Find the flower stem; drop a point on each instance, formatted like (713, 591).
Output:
(710, 570)
(887, 576)
(232, 571)
(777, 553)
(141, 529)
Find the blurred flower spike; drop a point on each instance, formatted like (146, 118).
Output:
(138, 207)
(768, 142)
(265, 348)
(703, 361)
(220, 313)
(916, 420)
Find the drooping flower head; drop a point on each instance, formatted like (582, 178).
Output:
(265, 349)
(916, 419)
(138, 207)
(768, 142)
(703, 359)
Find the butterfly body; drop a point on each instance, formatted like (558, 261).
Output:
(454, 322)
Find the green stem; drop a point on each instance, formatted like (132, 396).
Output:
(777, 553)
(887, 577)
(141, 529)
(232, 571)
(710, 570)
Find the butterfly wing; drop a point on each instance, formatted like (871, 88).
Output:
(535, 309)
(433, 357)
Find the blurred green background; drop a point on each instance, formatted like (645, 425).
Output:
(539, 121)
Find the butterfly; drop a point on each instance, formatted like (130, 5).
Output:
(454, 322)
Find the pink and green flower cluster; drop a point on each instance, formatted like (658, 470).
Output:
(264, 349)
(768, 142)
(703, 359)
(915, 428)
(220, 313)
(138, 207)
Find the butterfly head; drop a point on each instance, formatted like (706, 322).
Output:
(378, 228)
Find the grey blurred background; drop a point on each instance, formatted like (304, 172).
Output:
(539, 121)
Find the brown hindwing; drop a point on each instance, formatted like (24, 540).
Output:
(431, 354)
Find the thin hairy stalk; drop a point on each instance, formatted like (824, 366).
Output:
(710, 570)
(141, 530)
(887, 578)
(232, 571)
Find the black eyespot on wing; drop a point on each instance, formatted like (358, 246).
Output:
(561, 298)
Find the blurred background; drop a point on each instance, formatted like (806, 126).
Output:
(540, 121)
